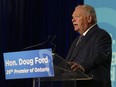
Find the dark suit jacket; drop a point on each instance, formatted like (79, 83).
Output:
(94, 53)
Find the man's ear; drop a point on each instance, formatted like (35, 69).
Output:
(90, 19)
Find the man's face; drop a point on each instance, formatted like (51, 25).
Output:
(80, 20)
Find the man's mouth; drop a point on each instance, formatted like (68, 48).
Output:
(75, 24)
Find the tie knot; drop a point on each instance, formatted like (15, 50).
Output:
(80, 38)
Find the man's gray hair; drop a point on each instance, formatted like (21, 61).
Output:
(90, 10)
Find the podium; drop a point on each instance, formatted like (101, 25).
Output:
(64, 76)
(46, 68)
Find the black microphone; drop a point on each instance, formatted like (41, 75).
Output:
(53, 50)
(48, 39)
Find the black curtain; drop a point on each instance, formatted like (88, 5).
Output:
(25, 23)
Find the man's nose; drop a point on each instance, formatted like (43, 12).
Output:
(73, 19)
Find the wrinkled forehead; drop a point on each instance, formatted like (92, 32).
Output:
(79, 11)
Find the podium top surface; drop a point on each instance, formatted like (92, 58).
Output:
(63, 72)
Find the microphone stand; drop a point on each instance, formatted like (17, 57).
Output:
(36, 81)
(38, 44)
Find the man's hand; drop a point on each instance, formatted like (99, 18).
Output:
(75, 66)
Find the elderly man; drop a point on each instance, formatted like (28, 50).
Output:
(91, 51)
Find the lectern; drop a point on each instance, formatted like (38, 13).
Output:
(43, 66)
(63, 74)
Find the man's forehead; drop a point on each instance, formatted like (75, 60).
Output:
(76, 12)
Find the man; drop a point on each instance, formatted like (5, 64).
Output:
(92, 53)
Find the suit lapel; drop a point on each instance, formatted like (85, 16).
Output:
(85, 40)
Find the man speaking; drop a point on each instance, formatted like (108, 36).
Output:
(91, 51)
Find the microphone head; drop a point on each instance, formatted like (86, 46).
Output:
(53, 50)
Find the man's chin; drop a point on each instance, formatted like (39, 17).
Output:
(75, 29)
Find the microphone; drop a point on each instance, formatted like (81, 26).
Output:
(53, 43)
(39, 43)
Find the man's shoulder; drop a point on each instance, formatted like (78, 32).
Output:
(101, 31)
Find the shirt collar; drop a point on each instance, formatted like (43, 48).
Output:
(88, 29)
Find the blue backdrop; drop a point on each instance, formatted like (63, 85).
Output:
(106, 15)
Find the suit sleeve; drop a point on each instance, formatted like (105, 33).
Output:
(101, 53)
